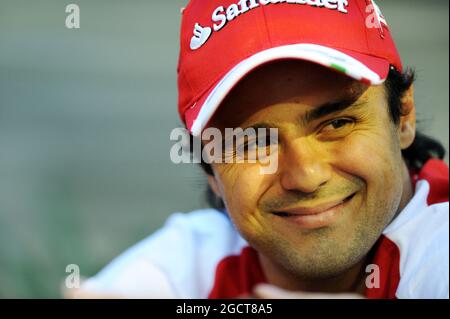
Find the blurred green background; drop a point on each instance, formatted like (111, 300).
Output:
(85, 117)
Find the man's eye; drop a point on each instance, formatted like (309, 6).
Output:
(337, 125)
(263, 140)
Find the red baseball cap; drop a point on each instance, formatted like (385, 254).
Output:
(223, 40)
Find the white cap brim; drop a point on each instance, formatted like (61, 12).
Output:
(328, 57)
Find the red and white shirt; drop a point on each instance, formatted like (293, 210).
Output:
(201, 255)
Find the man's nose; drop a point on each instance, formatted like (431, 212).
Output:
(304, 166)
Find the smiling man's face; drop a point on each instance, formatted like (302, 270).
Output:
(340, 179)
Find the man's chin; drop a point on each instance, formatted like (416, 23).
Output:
(318, 260)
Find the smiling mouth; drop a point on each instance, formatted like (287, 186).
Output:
(317, 216)
(313, 210)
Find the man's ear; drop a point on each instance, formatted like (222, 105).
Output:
(407, 124)
(214, 186)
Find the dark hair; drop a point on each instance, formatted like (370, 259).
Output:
(421, 150)
(423, 147)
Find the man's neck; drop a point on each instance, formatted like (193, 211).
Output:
(352, 280)
(408, 189)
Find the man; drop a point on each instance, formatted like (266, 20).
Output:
(357, 206)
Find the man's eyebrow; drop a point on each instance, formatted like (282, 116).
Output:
(318, 112)
(330, 108)
(262, 125)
